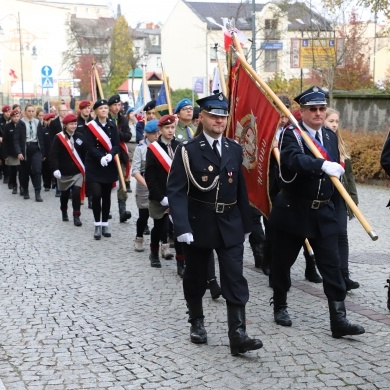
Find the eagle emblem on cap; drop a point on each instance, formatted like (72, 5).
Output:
(315, 89)
(220, 97)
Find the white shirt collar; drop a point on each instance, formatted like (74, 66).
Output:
(211, 140)
(313, 132)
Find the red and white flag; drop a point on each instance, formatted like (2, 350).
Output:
(228, 39)
(253, 124)
(12, 74)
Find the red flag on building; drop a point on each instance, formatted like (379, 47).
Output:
(12, 74)
(253, 122)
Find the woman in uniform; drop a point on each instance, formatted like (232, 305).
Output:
(158, 159)
(67, 163)
(102, 141)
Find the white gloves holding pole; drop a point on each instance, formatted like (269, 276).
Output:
(332, 169)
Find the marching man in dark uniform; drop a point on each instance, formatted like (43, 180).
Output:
(122, 125)
(305, 208)
(210, 210)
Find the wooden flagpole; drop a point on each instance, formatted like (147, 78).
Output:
(116, 157)
(221, 76)
(336, 182)
(167, 90)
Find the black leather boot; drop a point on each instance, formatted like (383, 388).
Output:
(311, 271)
(106, 231)
(339, 325)
(240, 342)
(76, 220)
(123, 214)
(65, 217)
(198, 334)
(281, 315)
(349, 283)
(26, 194)
(97, 235)
(38, 196)
(215, 290)
(154, 256)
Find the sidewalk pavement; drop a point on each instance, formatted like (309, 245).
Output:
(77, 313)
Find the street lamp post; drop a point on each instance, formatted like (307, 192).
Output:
(20, 50)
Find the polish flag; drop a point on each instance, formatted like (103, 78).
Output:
(228, 40)
(12, 73)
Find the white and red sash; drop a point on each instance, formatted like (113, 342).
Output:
(161, 155)
(102, 137)
(76, 159)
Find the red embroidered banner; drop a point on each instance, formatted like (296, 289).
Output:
(253, 122)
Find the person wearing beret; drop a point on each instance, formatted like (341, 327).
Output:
(210, 210)
(158, 160)
(307, 207)
(184, 128)
(4, 119)
(141, 188)
(10, 155)
(82, 119)
(29, 146)
(122, 125)
(67, 163)
(47, 173)
(150, 113)
(102, 141)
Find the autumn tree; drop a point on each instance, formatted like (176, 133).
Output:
(355, 73)
(88, 41)
(121, 54)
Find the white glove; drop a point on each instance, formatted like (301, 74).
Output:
(164, 202)
(103, 161)
(109, 157)
(247, 235)
(186, 237)
(332, 168)
(57, 174)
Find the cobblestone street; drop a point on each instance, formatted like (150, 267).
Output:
(77, 313)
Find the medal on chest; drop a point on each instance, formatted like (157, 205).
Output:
(230, 180)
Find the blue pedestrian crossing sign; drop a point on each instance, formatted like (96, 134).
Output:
(47, 78)
(47, 82)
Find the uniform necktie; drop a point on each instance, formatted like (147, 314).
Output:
(170, 151)
(215, 148)
(317, 137)
(31, 130)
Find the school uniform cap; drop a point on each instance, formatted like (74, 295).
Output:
(98, 103)
(312, 96)
(151, 126)
(166, 120)
(149, 106)
(6, 108)
(129, 110)
(14, 112)
(69, 119)
(84, 104)
(183, 103)
(114, 99)
(215, 104)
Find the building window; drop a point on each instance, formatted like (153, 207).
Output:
(271, 29)
(271, 60)
(213, 54)
(154, 40)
